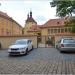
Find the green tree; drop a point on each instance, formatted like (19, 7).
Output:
(71, 22)
(65, 8)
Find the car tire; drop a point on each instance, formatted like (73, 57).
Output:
(61, 51)
(27, 51)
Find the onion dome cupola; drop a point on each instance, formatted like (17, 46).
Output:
(30, 18)
(30, 14)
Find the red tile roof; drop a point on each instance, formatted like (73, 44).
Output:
(50, 23)
(4, 14)
(34, 28)
(30, 19)
(54, 22)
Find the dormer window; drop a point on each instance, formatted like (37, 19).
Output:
(57, 22)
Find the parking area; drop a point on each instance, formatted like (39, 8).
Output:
(40, 53)
(38, 61)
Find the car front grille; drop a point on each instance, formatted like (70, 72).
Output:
(14, 53)
(14, 48)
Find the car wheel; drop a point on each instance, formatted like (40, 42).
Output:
(27, 51)
(61, 51)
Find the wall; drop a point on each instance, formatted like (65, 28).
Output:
(58, 37)
(27, 27)
(44, 31)
(17, 30)
(55, 38)
(8, 26)
(6, 41)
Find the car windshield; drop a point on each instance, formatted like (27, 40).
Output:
(20, 42)
(69, 41)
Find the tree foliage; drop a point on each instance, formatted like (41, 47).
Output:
(71, 22)
(65, 8)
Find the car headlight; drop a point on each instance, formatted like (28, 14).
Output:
(22, 48)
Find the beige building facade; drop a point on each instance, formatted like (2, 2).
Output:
(8, 26)
(29, 23)
(6, 41)
(52, 30)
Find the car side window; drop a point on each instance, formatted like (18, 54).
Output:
(69, 41)
(29, 41)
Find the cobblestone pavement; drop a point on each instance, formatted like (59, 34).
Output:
(38, 61)
(37, 67)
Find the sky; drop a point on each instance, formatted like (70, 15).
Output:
(18, 10)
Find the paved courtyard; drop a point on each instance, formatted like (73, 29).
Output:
(38, 61)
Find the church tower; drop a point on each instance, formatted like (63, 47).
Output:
(29, 22)
(30, 14)
(30, 18)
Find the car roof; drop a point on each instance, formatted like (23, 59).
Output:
(67, 38)
(23, 40)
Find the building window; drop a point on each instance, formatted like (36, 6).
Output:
(51, 30)
(2, 21)
(62, 30)
(10, 27)
(69, 29)
(58, 30)
(65, 29)
(48, 31)
(55, 30)
(2, 31)
(22, 31)
(7, 32)
(7, 23)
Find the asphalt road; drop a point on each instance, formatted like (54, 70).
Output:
(40, 53)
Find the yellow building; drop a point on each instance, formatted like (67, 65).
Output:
(8, 26)
(29, 23)
(51, 27)
(48, 30)
(55, 26)
(45, 32)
